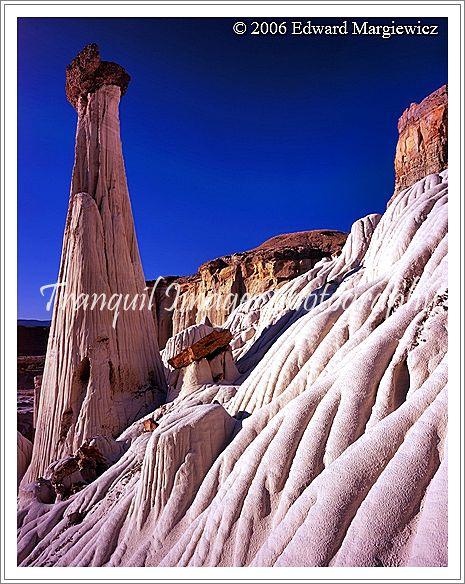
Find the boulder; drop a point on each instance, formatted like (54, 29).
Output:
(207, 347)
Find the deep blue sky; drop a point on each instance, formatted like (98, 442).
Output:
(228, 140)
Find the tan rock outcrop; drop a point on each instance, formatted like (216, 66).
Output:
(221, 284)
(422, 144)
(101, 373)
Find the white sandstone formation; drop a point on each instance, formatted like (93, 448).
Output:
(98, 378)
(329, 448)
(24, 450)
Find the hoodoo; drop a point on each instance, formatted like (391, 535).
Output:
(101, 373)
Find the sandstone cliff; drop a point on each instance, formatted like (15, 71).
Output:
(97, 378)
(422, 145)
(221, 284)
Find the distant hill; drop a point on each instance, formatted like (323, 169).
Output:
(32, 337)
(27, 322)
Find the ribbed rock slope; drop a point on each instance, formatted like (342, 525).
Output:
(328, 449)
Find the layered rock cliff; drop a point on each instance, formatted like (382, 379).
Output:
(422, 145)
(98, 377)
(325, 446)
(220, 285)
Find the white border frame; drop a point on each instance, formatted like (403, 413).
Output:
(13, 10)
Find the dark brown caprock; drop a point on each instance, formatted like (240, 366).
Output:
(207, 346)
(87, 72)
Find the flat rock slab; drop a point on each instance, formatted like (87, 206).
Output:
(206, 346)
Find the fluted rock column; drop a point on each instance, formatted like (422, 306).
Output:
(98, 377)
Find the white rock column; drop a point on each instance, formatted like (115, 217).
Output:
(98, 378)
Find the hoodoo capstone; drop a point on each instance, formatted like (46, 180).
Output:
(86, 73)
(101, 372)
